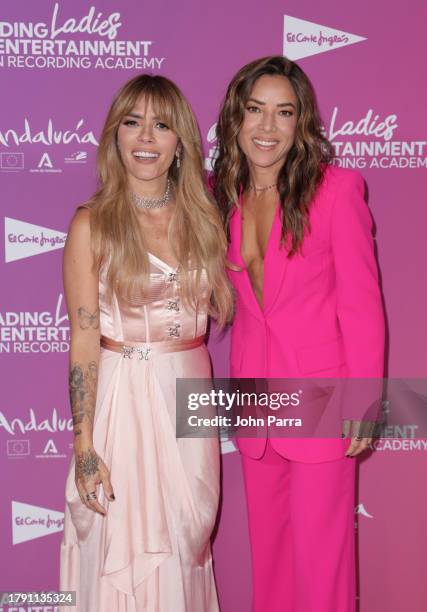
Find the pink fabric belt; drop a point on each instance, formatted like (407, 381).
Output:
(145, 349)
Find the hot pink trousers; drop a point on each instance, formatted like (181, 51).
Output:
(301, 525)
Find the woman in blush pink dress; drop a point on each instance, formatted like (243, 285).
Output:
(308, 305)
(143, 269)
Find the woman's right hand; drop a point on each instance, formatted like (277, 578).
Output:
(91, 471)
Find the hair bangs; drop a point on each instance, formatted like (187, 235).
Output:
(195, 231)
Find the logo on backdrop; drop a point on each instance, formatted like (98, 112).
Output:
(212, 148)
(16, 448)
(82, 41)
(35, 332)
(304, 38)
(50, 451)
(24, 239)
(45, 165)
(227, 445)
(51, 135)
(50, 445)
(12, 161)
(31, 522)
(76, 134)
(53, 424)
(21, 449)
(360, 509)
(79, 157)
(399, 438)
(369, 141)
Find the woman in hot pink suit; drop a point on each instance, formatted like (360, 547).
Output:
(308, 304)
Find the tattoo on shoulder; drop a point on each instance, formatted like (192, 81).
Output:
(82, 387)
(88, 320)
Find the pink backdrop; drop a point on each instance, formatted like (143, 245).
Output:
(366, 61)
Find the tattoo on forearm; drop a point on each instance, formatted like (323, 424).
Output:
(87, 464)
(88, 320)
(82, 386)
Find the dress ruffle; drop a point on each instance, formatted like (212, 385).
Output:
(155, 536)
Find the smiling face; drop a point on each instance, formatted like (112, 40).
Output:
(147, 147)
(269, 124)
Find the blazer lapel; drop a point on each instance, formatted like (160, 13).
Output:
(275, 264)
(241, 278)
(234, 246)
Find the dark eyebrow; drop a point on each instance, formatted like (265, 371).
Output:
(278, 105)
(139, 116)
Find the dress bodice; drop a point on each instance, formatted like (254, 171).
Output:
(157, 315)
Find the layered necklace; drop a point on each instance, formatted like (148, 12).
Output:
(142, 202)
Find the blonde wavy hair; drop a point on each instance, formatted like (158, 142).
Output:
(303, 169)
(196, 235)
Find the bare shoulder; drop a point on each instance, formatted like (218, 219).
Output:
(80, 225)
(79, 239)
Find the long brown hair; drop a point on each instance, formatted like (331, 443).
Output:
(303, 169)
(195, 231)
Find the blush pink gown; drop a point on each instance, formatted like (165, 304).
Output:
(152, 550)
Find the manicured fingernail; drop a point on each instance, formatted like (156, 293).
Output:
(112, 497)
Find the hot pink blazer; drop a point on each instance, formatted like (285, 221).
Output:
(323, 314)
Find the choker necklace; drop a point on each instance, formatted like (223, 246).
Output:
(262, 188)
(142, 202)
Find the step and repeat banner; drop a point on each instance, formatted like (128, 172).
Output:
(60, 65)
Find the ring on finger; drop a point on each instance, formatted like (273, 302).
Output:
(91, 495)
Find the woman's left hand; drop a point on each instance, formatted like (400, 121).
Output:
(361, 435)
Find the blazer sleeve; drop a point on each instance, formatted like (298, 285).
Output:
(358, 299)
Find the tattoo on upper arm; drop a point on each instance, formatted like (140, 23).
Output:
(82, 387)
(88, 320)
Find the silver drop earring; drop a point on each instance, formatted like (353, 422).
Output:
(178, 161)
